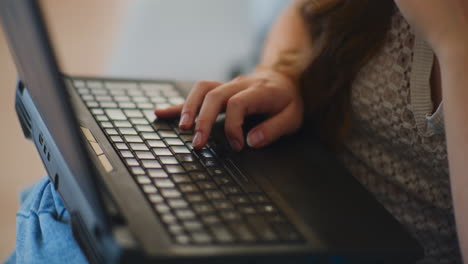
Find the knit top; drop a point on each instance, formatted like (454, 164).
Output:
(397, 148)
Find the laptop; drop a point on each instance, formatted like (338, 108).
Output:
(138, 192)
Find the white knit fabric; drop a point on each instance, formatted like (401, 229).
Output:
(397, 146)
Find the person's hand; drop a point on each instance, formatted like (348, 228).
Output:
(264, 92)
(443, 23)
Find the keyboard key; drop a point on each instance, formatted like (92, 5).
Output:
(169, 218)
(162, 208)
(141, 128)
(135, 92)
(201, 238)
(207, 185)
(223, 180)
(167, 134)
(102, 118)
(171, 193)
(210, 163)
(195, 197)
(161, 125)
(155, 198)
(188, 188)
(187, 138)
(210, 220)
(87, 97)
(112, 132)
(139, 121)
(133, 139)
(205, 153)
(180, 149)
(214, 195)
(97, 111)
(156, 143)
(164, 183)
(221, 234)
(126, 154)
(173, 169)
(286, 232)
(182, 239)
(192, 166)
(95, 85)
(156, 86)
(158, 100)
(216, 172)
(177, 203)
(185, 214)
(121, 146)
(185, 157)
(133, 113)
(230, 190)
(122, 98)
(145, 106)
(103, 98)
(128, 131)
(168, 160)
(176, 100)
(230, 215)
(138, 171)
(222, 204)
(98, 91)
(92, 104)
(149, 189)
(149, 115)
(246, 209)
(132, 162)
(176, 229)
(267, 209)
(259, 198)
(108, 105)
(203, 208)
(143, 180)
(149, 136)
(115, 114)
(199, 176)
(139, 98)
(242, 232)
(79, 83)
(162, 151)
(144, 155)
(138, 147)
(151, 164)
(181, 178)
(126, 105)
(116, 139)
(157, 173)
(192, 225)
(121, 85)
(117, 92)
(122, 124)
(107, 125)
(262, 228)
(174, 142)
(239, 199)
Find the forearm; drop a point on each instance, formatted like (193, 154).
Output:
(455, 94)
(288, 48)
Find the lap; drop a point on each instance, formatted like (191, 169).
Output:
(43, 229)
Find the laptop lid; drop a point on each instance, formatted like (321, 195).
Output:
(38, 70)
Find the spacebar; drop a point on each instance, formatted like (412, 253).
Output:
(248, 185)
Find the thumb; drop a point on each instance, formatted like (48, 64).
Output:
(285, 122)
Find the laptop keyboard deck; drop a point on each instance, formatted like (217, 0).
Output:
(199, 198)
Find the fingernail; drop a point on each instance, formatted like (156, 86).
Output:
(255, 138)
(235, 145)
(197, 139)
(184, 120)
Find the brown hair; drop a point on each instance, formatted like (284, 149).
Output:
(347, 34)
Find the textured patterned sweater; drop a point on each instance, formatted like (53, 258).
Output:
(397, 146)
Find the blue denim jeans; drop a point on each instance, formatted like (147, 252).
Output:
(43, 229)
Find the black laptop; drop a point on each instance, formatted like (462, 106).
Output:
(138, 192)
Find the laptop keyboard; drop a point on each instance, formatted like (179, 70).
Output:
(200, 199)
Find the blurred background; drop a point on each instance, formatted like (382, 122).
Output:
(168, 39)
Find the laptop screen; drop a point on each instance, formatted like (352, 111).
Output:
(37, 68)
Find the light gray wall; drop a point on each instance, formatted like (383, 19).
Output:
(189, 39)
